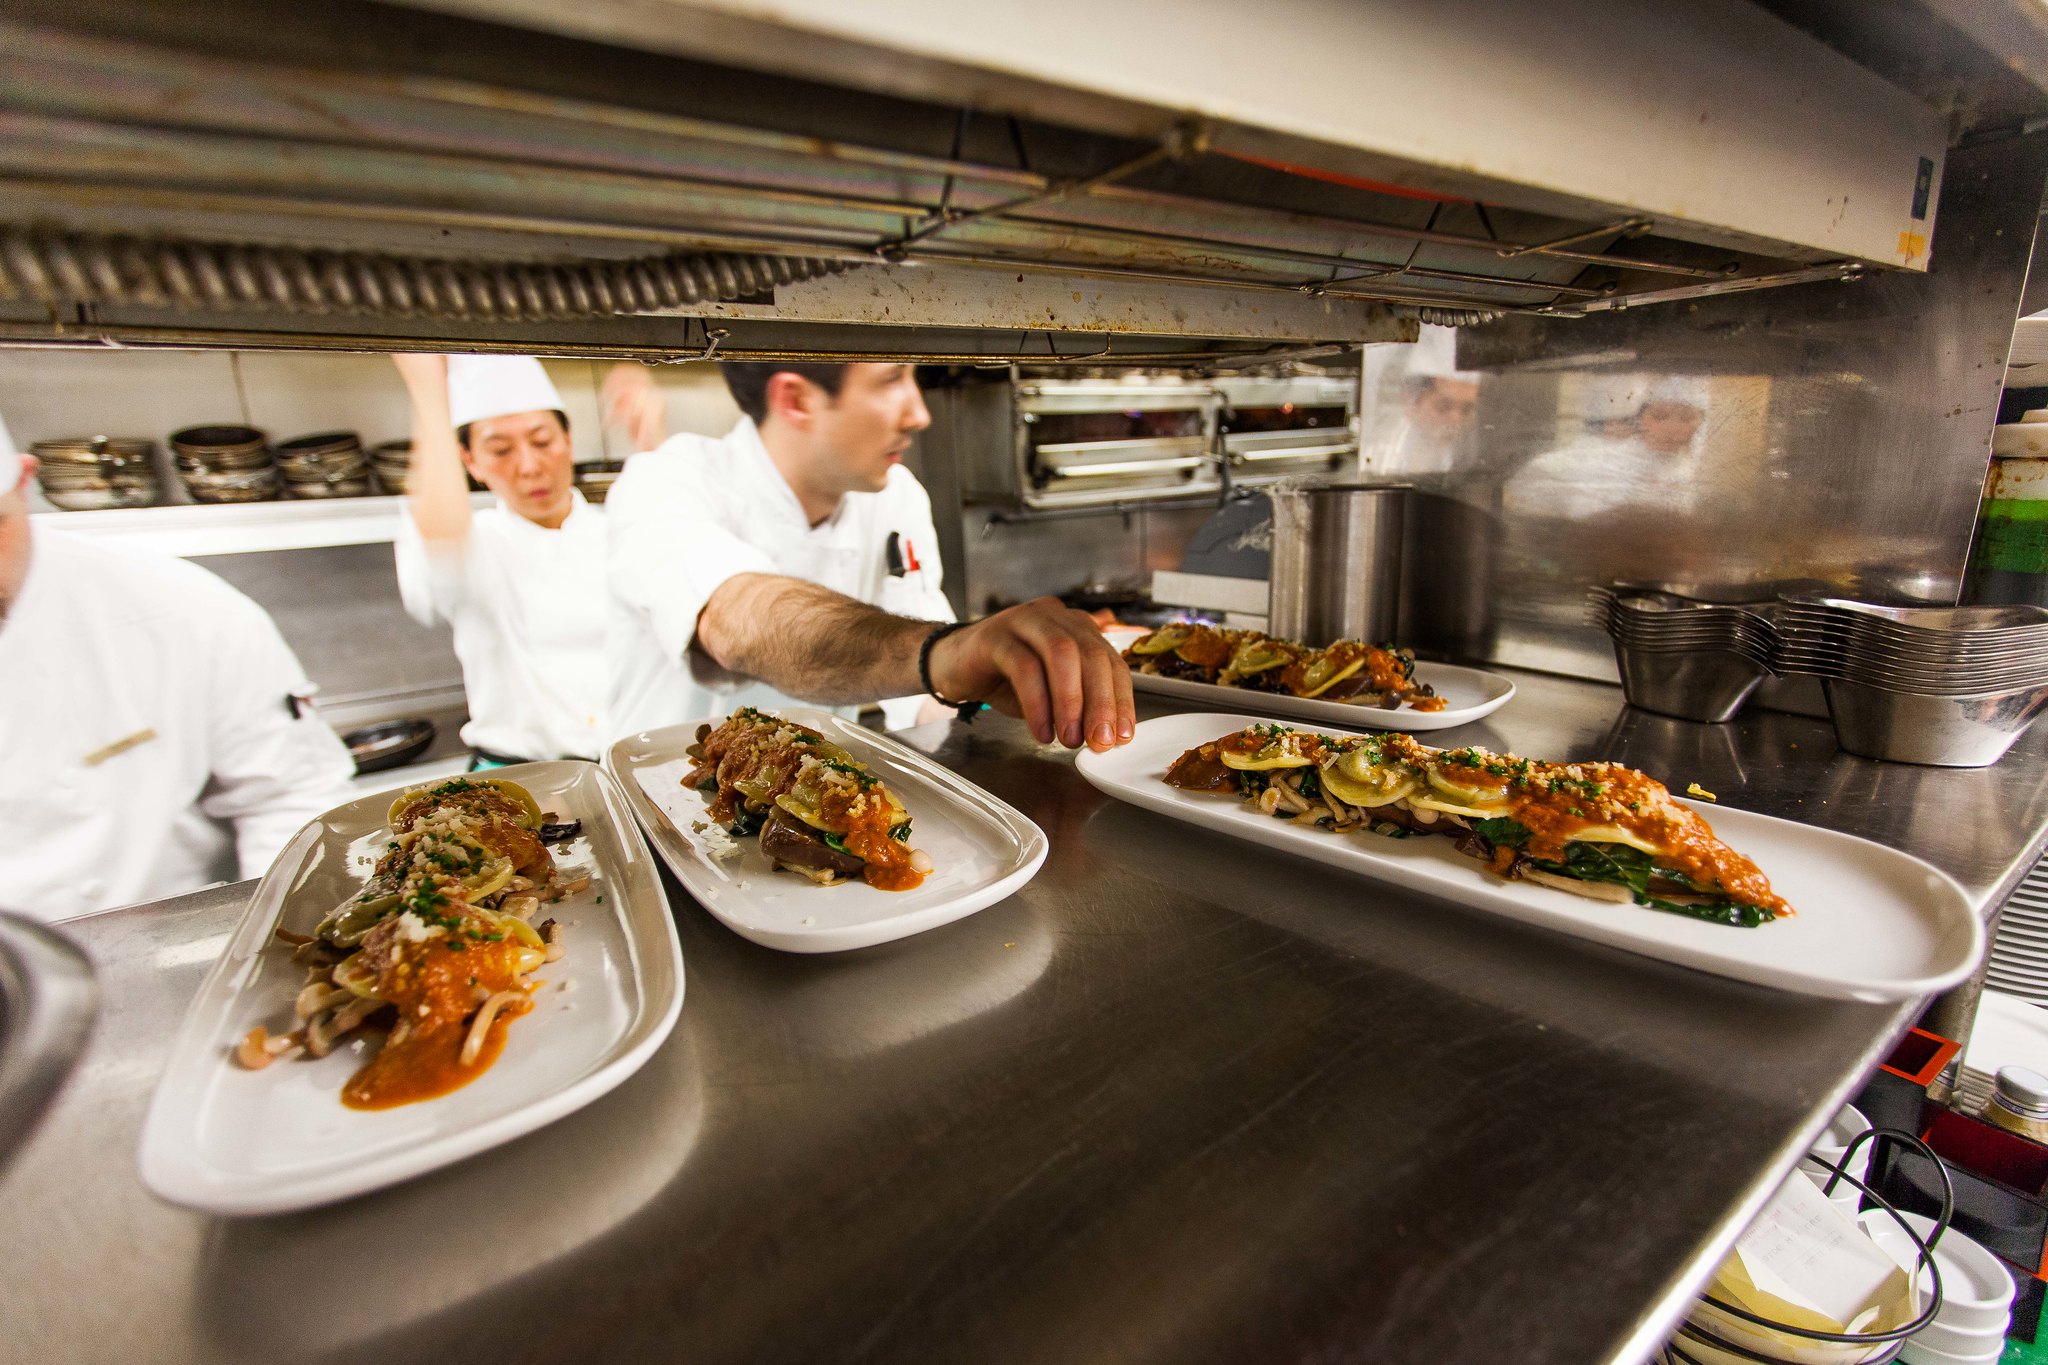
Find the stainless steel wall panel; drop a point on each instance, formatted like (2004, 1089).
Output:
(1843, 434)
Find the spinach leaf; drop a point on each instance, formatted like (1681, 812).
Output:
(1251, 783)
(1389, 829)
(709, 786)
(900, 832)
(1716, 912)
(747, 824)
(1311, 783)
(1617, 863)
(1502, 832)
(833, 841)
(1632, 868)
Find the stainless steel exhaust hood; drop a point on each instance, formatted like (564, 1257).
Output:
(1140, 181)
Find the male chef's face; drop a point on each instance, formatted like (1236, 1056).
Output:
(1668, 427)
(526, 458)
(852, 438)
(14, 535)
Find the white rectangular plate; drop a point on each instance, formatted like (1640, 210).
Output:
(225, 1140)
(1872, 924)
(983, 848)
(1471, 692)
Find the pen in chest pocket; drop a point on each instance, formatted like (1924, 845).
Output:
(901, 555)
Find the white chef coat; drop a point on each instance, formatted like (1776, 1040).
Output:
(1597, 475)
(526, 605)
(694, 512)
(149, 733)
(1404, 450)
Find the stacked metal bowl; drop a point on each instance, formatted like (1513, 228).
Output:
(90, 473)
(1947, 686)
(329, 464)
(1682, 657)
(225, 463)
(1952, 686)
(389, 461)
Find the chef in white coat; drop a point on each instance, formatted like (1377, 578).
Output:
(1637, 455)
(810, 485)
(157, 732)
(1432, 434)
(520, 584)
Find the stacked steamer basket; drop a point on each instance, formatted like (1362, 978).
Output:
(90, 473)
(1682, 657)
(330, 464)
(1950, 686)
(389, 461)
(225, 463)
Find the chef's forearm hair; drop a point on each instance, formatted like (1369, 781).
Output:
(810, 642)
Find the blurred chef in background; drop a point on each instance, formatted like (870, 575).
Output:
(1438, 403)
(520, 584)
(808, 484)
(1637, 452)
(158, 733)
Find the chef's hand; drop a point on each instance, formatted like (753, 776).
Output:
(634, 403)
(1046, 663)
(423, 372)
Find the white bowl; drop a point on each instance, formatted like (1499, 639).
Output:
(1842, 1129)
(1917, 1353)
(1960, 1343)
(1779, 1346)
(1976, 1288)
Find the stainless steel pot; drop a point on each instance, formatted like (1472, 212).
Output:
(1336, 571)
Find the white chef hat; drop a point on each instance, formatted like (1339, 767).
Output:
(1677, 388)
(10, 461)
(1614, 397)
(1435, 356)
(481, 386)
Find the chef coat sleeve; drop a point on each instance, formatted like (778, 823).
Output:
(666, 553)
(275, 764)
(433, 580)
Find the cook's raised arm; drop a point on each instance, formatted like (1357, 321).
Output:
(1041, 661)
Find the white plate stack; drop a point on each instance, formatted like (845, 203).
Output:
(1976, 1294)
(2019, 950)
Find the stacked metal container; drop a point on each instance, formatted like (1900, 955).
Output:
(1947, 686)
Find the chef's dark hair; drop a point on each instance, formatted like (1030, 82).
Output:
(462, 432)
(748, 380)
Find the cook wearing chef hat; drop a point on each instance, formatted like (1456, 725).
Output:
(521, 584)
(1438, 401)
(158, 731)
(1674, 406)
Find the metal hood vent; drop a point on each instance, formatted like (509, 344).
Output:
(319, 175)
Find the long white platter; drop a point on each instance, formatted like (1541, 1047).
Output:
(982, 848)
(225, 1140)
(1473, 693)
(1872, 924)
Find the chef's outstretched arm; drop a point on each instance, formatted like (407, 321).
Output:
(1042, 661)
(436, 485)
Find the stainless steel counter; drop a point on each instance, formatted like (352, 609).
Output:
(1177, 1101)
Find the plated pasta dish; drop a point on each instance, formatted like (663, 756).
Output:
(1348, 671)
(1599, 830)
(437, 951)
(816, 809)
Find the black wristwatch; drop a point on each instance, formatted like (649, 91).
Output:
(966, 710)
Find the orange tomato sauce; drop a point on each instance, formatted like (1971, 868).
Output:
(434, 988)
